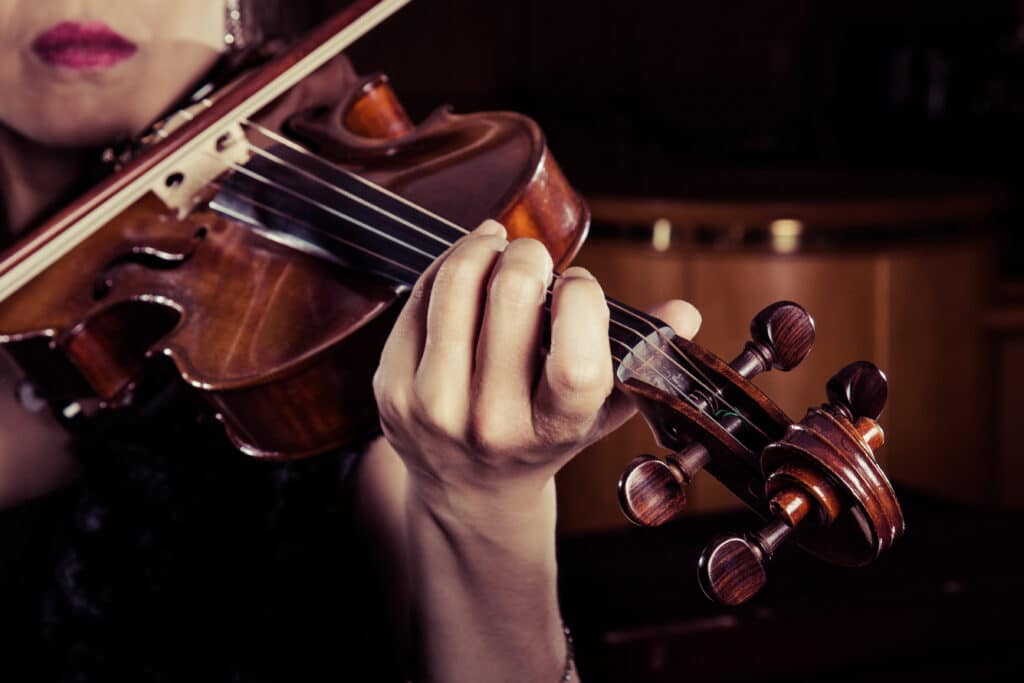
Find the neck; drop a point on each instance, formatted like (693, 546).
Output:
(34, 178)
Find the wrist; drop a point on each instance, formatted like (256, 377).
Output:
(514, 514)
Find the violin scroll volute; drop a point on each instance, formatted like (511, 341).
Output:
(825, 488)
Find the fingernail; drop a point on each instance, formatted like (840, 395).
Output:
(491, 227)
(578, 272)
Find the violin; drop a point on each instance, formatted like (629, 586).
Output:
(263, 250)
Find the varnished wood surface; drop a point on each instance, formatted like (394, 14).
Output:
(282, 344)
(466, 168)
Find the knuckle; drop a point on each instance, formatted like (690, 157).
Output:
(434, 412)
(518, 284)
(580, 379)
(461, 268)
(380, 382)
(491, 227)
(392, 403)
(470, 260)
(530, 249)
(587, 289)
(489, 433)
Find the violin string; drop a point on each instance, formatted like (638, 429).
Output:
(293, 220)
(245, 219)
(335, 212)
(669, 382)
(672, 385)
(642, 339)
(296, 147)
(260, 178)
(707, 383)
(348, 195)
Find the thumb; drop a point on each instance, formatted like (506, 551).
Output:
(685, 319)
(681, 315)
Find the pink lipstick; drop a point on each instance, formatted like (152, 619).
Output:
(83, 46)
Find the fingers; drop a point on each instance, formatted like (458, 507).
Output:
(405, 346)
(508, 349)
(682, 316)
(577, 376)
(453, 318)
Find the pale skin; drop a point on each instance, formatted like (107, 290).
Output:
(459, 495)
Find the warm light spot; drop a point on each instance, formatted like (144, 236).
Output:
(786, 235)
(661, 235)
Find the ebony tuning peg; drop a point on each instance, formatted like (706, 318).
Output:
(860, 388)
(653, 492)
(781, 337)
(733, 569)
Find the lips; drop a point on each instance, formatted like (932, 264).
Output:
(83, 46)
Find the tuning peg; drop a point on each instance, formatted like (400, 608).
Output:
(860, 388)
(653, 492)
(733, 569)
(782, 336)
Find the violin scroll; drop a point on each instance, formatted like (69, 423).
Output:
(825, 489)
(816, 482)
(653, 492)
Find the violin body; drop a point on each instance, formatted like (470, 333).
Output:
(282, 344)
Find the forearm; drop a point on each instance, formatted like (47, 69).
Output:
(483, 417)
(486, 604)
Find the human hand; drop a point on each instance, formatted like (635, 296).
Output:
(467, 396)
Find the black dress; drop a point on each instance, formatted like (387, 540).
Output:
(175, 558)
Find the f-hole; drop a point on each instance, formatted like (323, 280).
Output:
(154, 256)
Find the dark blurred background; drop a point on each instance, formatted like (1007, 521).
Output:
(861, 158)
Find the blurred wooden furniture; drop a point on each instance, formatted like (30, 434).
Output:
(1004, 323)
(896, 270)
(928, 611)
